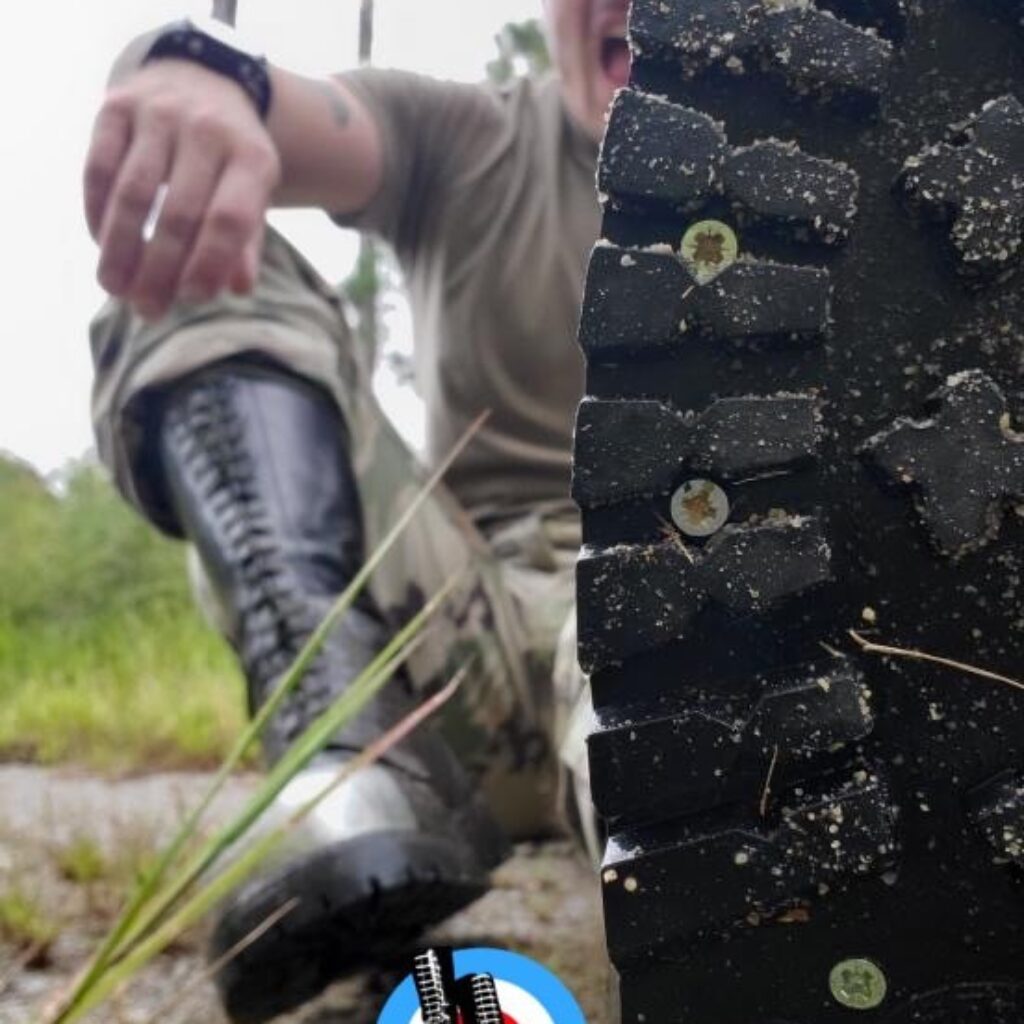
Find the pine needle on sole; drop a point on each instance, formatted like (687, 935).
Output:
(910, 654)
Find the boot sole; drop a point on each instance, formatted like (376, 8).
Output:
(776, 450)
(360, 903)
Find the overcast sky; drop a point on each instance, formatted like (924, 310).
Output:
(51, 82)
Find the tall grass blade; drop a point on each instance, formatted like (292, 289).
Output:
(73, 1006)
(125, 929)
(180, 997)
(203, 901)
(307, 746)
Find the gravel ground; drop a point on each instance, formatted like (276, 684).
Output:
(544, 903)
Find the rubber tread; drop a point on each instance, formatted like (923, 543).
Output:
(911, 355)
(811, 48)
(646, 303)
(695, 752)
(975, 181)
(634, 599)
(745, 870)
(656, 152)
(964, 464)
(637, 449)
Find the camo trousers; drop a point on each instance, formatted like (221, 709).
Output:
(510, 616)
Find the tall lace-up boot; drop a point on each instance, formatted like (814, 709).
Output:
(254, 462)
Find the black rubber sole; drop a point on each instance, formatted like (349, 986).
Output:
(360, 903)
(805, 363)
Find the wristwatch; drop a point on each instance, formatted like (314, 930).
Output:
(212, 46)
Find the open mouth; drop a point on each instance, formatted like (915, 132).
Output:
(615, 59)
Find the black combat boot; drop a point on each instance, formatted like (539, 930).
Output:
(254, 463)
(801, 449)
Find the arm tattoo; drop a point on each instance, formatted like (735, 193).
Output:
(339, 108)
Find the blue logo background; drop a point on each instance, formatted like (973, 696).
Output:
(519, 970)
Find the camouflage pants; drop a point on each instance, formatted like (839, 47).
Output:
(510, 617)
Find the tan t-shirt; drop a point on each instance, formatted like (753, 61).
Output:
(490, 204)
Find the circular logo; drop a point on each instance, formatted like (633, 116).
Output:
(528, 992)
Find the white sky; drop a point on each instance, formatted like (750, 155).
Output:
(51, 82)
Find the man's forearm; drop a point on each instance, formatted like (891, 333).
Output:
(329, 144)
(327, 141)
(178, 124)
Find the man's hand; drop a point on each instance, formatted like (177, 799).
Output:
(177, 124)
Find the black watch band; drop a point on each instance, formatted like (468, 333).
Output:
(187, 42)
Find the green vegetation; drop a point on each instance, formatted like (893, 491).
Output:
(26, 925)
(107, 873)
(83, 861)
(103, 659)
(182, 888)
(522, 51)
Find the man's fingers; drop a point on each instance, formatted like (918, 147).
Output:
(197, 167)
(233, 223)
(142, 173)
(111, 137)
(244, 278)
(189, 130)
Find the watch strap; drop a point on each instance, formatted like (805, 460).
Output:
(187, 42)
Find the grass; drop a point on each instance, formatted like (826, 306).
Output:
(26, 924)
(104, 661)
(83, 861)
(133, 689)
(181, 890)
(107, 874)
